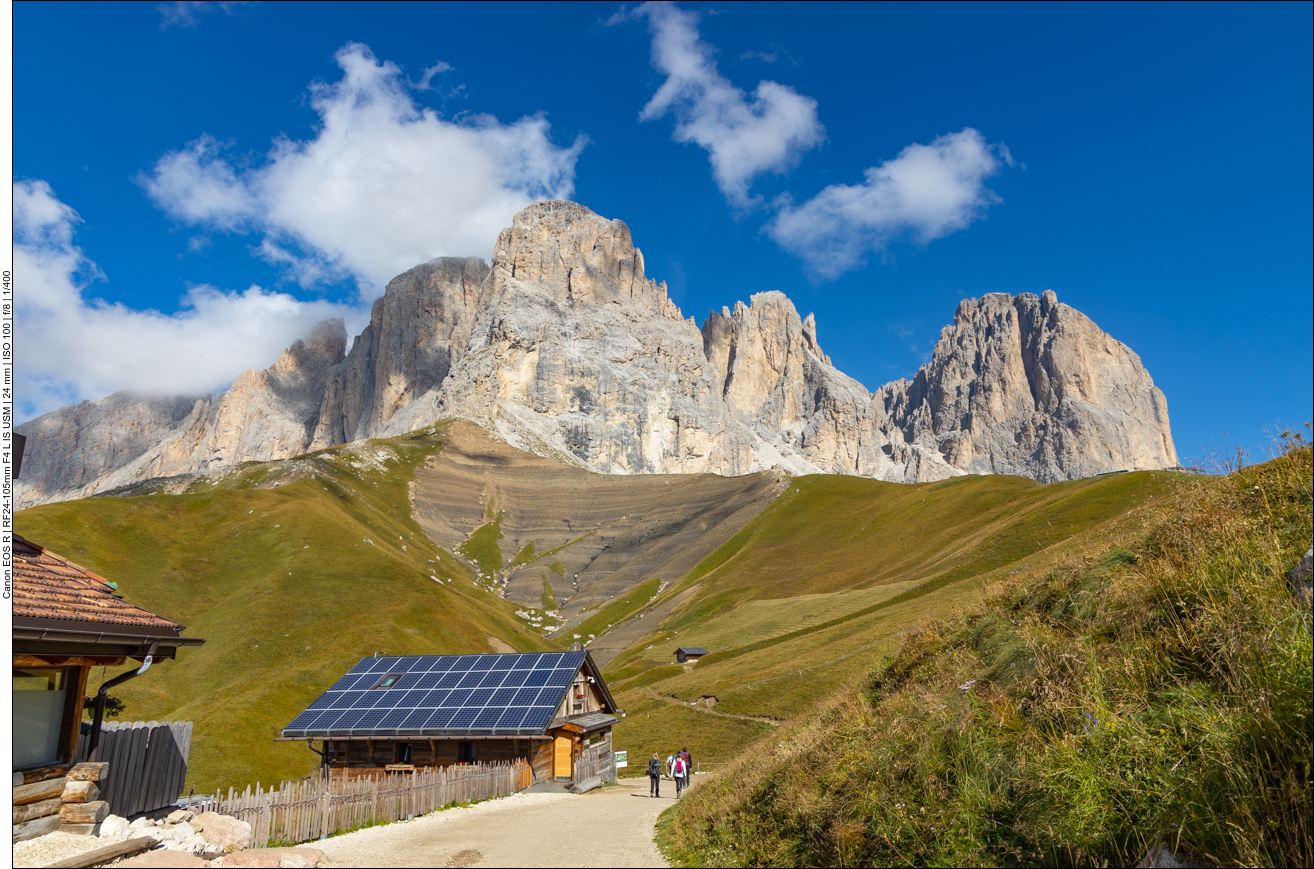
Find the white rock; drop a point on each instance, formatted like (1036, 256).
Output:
(113, 826)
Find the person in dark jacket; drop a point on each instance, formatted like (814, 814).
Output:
(655, 776)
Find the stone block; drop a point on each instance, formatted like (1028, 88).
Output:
(223, 830)
(179, 816)
(84, 813)
(93, 771)
(37, 827)
(80, 792)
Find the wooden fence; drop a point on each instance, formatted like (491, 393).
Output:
(308, 809)
(147, 763)
(596, 763)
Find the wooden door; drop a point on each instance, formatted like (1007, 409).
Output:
(562, 757)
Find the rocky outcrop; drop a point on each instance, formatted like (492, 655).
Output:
(1024, 385)
(565, 348)
(93, 447)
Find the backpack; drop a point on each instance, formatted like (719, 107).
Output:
(680, 769)
(654, 766)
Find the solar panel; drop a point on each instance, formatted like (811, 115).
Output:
(303, 719)
(443, 695)
(416, 719)
(526, 696)
(511, 717)
(369, 720)
(538, 717)
(428, 680)
(459, 698)
(439, 719)
(434, 699)
(463, 718)
(349, 718)
(488, 717)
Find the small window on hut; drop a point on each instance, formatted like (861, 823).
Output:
(465, 752)
(389, 680)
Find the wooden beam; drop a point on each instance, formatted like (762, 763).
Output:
(40, 661)
(106, 854)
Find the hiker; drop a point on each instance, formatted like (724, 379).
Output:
(670, 763)
(654, 776)
(688, 761)
(680, 773)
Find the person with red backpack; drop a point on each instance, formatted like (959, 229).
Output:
(680, 773)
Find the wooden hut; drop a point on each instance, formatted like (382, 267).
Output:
(689, 654)
(67, 620)
(388, 714)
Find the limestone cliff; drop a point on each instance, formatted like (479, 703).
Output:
(566, 348)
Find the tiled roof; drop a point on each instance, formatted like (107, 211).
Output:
(47, 586)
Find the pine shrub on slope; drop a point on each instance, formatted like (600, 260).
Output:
(1157, 696)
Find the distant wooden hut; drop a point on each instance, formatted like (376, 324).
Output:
(689, 654)
(552, 710)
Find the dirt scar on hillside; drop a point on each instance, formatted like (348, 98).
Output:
(612, 826)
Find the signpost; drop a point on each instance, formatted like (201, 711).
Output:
(622, 759)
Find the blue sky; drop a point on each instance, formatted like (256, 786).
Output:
(221, 175)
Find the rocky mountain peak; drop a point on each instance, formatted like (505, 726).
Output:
(564, 347)
(575, 256)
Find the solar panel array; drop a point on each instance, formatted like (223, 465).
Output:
(443, 695)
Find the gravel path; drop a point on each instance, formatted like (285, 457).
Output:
(606, 827)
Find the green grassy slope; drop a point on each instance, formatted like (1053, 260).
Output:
(289, 585)
(828, 577)
(1156, 691)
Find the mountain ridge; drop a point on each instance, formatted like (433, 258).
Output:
(563, 347)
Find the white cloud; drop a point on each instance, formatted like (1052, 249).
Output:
(71, 347)
(743, 138)
(383, 186)
(429, 73)
(185, 13)
(925, 193)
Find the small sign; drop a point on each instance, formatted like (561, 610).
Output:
(622, 759)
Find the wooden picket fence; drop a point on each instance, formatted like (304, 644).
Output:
(314, 807)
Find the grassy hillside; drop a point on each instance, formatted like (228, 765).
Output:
(291, 571)
(828, 578)
(1156, 692)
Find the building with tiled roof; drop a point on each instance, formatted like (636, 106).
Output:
(67, 620)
